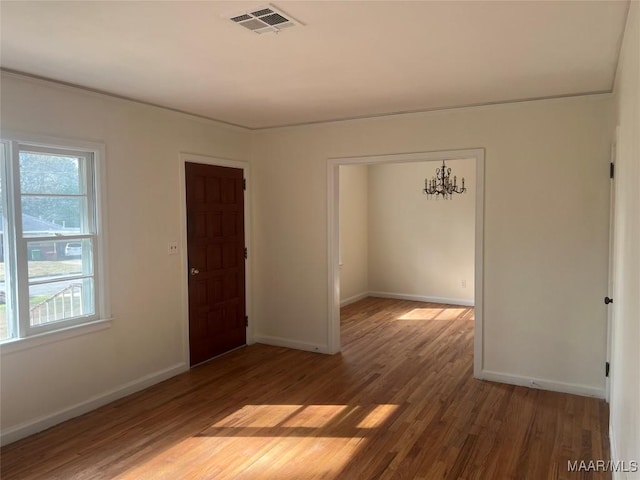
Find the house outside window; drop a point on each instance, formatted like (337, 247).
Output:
(51, 248)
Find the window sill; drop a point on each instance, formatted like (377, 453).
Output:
(19, 344)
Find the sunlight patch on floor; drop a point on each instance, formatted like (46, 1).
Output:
(259, 416)
(433, 314)
(378, 416)
(270, 441)
(290, 416)
(314, 416)
(311, 457)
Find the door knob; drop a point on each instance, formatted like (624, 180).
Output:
(194, 271)
(608, 300)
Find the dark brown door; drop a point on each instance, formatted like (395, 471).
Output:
(215, 246)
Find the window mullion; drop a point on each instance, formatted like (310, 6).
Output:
(8, 243)
(86, 173)
(79, 276)
(22, 281)
(95, 285)
(62, 237)
(88, 176)
(20, 266)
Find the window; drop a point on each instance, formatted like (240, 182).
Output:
(51, 242)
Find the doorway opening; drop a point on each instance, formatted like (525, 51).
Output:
(334, 253)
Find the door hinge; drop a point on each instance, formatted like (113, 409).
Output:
(246, 321)
(606, 369)
(246, 253)
(612, 169)
(244, 183)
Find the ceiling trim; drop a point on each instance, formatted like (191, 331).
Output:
(60, 83)
(619, 47)
(443, 109)
(39, 78)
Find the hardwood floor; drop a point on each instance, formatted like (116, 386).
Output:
(400, 402)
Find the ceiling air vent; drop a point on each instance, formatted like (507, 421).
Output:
(265, 20)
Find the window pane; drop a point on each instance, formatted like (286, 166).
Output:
(56, 301)
(42, 173)
(60, 258)
(47, 216)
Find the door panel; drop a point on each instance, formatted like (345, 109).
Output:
(215, 245)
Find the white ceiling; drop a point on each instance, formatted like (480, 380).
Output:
(351, 59)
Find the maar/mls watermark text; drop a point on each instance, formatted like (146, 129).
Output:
(603, 466)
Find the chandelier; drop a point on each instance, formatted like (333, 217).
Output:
(441, 184)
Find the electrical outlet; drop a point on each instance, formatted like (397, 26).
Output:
(173, 248)
(463, 283)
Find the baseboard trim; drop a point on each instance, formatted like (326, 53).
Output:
(353, 299)
(31, 427)
(542, 384)
(288, 343)
(421, 298)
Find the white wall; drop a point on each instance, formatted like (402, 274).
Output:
(546, 228)
(146, 339)
(545, 257)
(625, 361)
(354, 224)
(420, 247)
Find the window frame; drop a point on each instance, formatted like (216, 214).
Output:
(21, 332)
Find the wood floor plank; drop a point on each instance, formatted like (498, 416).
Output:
(399, 402)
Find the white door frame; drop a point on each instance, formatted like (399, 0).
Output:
(219, 162)
(333, 240)
(612, 267)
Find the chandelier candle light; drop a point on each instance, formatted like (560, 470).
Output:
(441, 184)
